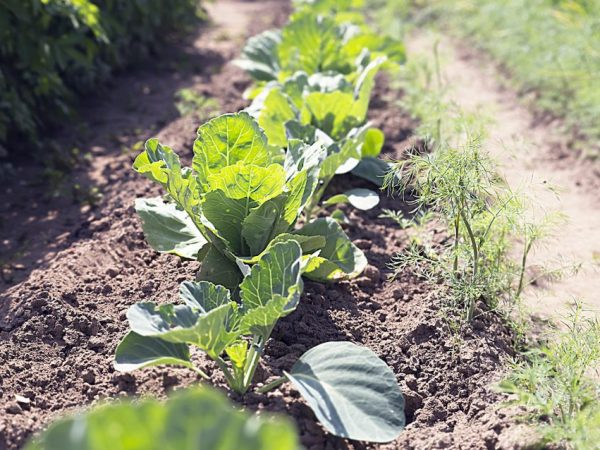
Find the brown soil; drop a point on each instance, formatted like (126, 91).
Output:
(78, 269)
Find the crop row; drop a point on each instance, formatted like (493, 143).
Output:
(247, 209)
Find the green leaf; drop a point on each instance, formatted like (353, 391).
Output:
(181, 422)
(276, 273)
(374, 139)
(364, 86)
(259, 57)
(332, 112)
(312, 43)
(308, 244)
(159, 163)
(226, 140)
(249, 182)
(203, 295)
(372, 169)
(264, 222)
(353, 393)
(219, 269)
(168, 229)
(272, 109)
(227, 216)
(212, 331)
(136, 351)
(339, 259)
(363, 199)
(272, 289)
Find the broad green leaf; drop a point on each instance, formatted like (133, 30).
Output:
(273, 109)
(276, 273)
(218, 269)
(372, 169)
(332, 112)
(211, 331)
(226, 140)
(198, 418)
(136, 351)
(378, 45)
(237, 354)
(364, 86)
(353, 393)
(159, 163)
(301, 187)
(156, 161)
(339, 259)
(272, 289)
(373, 143)
(259, 57)
(263, 223)
(363, 199)
(249, 182)
(308, 244)
(312, 43)
(227, 216)
(342, 157)
(203, 295)
(168, 229)
(261, 319)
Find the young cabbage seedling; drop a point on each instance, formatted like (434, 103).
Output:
(325, 109)
(240, 197)
(351, 390)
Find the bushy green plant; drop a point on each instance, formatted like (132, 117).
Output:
(240, 197)
(558, 384)
(340, 380)
(195, 418)
(52, 51)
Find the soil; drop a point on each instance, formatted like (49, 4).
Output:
(74, 270)
(538, 158)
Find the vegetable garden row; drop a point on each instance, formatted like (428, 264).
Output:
(251, 209)
(284, 254)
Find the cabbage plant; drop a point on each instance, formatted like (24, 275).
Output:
(198, 418)
(353, 393)
(240, 196)
(313, 43)
(326, 109)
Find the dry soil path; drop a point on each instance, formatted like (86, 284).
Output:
(534, 157)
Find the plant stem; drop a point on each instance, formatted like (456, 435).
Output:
(199, 372)
(253, 357)
(456, 238)
(526, 250)
(231, 380)
(474, 245)
(272, 385)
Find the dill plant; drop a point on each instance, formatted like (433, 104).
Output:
(557, 384)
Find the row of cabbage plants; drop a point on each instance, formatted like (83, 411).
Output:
(246, 208)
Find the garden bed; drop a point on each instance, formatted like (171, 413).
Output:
(60, 323)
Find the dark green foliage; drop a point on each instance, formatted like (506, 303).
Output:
(53, 50)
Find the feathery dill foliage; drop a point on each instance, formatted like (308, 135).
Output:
(557, 384)
(456, 181)
(461, 188)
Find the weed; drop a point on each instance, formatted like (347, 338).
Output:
(557, 384)
(190, 102)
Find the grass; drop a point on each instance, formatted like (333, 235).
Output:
(557, 384)
(551, 49)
